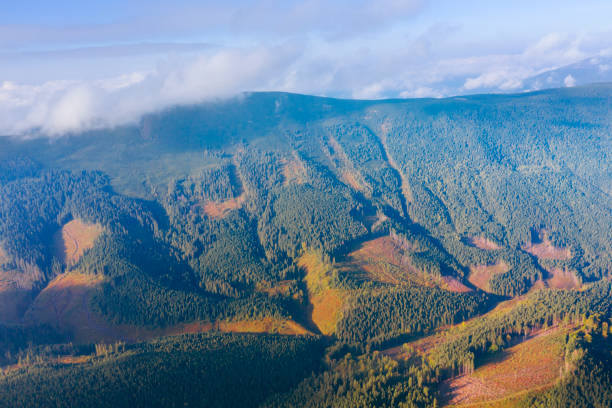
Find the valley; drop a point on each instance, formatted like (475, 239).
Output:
(314, 250)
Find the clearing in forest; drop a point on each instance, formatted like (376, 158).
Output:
(294, 171)
(533, 364)
(265, 325)
(562, 279)
(483, 243)
(381, 260)
(223, 208)
(220, 209)
(326, 302)
(481, 274)
(384, 260)
(348, 174)
(74, 239)
(350, 179)
(546, 250)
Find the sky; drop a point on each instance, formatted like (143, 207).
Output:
(68, 66)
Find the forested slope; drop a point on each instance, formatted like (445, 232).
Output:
(385, 220)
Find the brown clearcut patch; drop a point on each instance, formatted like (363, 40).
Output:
(483, 243)
(293, 171)
(546, 250)
(481, 274)
(74, 359)
(381, 260)
(350, 179)
(266, 325)
(75, 237)
(533, 364)
(349, 175)
(223, 208)
(562, 279)
(538, 285)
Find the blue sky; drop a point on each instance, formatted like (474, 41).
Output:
(71, 65)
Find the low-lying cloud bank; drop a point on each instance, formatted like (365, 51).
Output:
(345, 68)
(58, 107)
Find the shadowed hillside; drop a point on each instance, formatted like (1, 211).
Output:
(456, 226)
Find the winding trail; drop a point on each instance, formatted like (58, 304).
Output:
(75, 252)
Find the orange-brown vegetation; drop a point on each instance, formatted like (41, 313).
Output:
(325, 301)
(74, 359)
(535, 363)
(294, 171)
(325, 310)
(483, 243)
(350, 179)
(562, 279)
(221, 209)
(65, 305)
(381, 260)
(376, 221)
(480, 274)
(538, 285)
(266, 325)
(74, 239)
(348, 174)
(546, 250)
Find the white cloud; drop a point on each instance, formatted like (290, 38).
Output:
(569, 81)
(503, 79)
(510, 71)
(58, 107)
(390, 63)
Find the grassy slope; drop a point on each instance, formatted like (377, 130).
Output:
(325, 301)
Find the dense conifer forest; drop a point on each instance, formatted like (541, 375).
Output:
(140, 261)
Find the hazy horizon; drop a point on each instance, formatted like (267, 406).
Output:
(68, 66)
